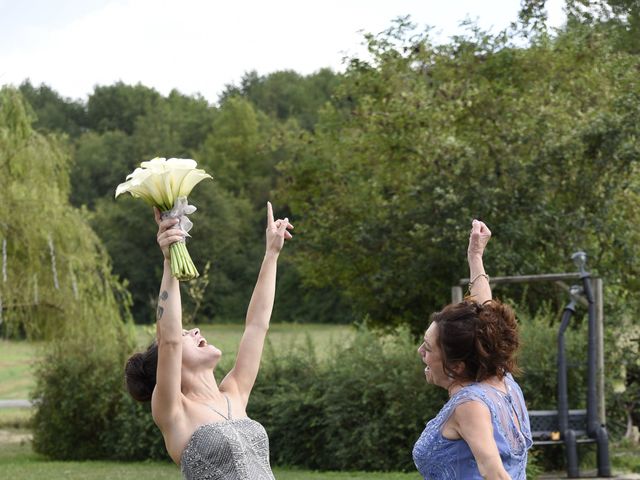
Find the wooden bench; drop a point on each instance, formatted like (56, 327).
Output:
(546, 431)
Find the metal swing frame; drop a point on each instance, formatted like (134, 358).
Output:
(565, 426)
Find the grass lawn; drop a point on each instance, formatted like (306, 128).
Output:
(18, 357)
(15, 418)
(19, 462)
(227, 336)
(16, 360)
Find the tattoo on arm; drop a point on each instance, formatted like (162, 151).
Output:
(164, 295)
(160, 312)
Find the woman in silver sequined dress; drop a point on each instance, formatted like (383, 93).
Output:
(204, 424)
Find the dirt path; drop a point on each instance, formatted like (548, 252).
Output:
(14, 436)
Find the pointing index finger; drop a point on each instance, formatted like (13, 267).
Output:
(269, 214)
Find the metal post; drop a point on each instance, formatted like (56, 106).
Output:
(456, 294)
(545, 277)
(599, 300)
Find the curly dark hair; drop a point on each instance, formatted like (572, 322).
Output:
(484, 337)
(140, 373)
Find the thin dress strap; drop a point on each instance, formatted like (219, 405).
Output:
(228, 415)
(228, 407)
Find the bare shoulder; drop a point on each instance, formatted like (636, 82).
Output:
(236, 398)
(470, 415)
(229, 385)
(473, 412)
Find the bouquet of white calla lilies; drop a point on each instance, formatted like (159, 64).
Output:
(166, 184)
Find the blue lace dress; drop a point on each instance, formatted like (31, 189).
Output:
(438, 458)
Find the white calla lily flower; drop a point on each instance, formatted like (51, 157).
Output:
(140, 184)
(156, 165)
(191, 179)
(162, 183)
(176, 177)
(181, 163)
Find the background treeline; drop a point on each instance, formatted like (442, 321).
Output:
(240, 142)
(381, 168)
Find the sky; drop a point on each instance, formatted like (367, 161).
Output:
(200, 46)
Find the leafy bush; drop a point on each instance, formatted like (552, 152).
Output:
(366, 406)
(76, 402)
(538, 360)
(83, 411)
(362, 409)
(133, 435)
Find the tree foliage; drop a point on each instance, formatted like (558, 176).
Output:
(286, 94)
(618, 19)
(56, 274)
(118, 106)
(99, 160)
(243, 149)
(541, 142)
(54, 113)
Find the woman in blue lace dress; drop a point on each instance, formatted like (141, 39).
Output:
(469, 349)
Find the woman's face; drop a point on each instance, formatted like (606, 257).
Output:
(432, 358)
(196, 351)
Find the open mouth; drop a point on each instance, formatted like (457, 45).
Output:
(202, 343)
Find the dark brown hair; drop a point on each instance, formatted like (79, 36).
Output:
(140, 373)
(484, 337)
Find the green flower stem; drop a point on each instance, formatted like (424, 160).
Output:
(182, 266)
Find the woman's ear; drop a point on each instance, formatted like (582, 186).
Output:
(458, 368)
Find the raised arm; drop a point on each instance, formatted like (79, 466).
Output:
(243, 375)
(166, 397)
(479, 286)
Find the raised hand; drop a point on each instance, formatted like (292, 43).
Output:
(277, 231)
(167, 235)
(478, 239)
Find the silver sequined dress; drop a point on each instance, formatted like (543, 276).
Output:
(235, 449)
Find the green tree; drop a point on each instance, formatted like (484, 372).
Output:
(286, 94)
(619, 19)
(242, 150)
(57, 284)
(118, 106)
(541, 142)
(56, 275)
(54, 113)
(174, 126)
(101, 162)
